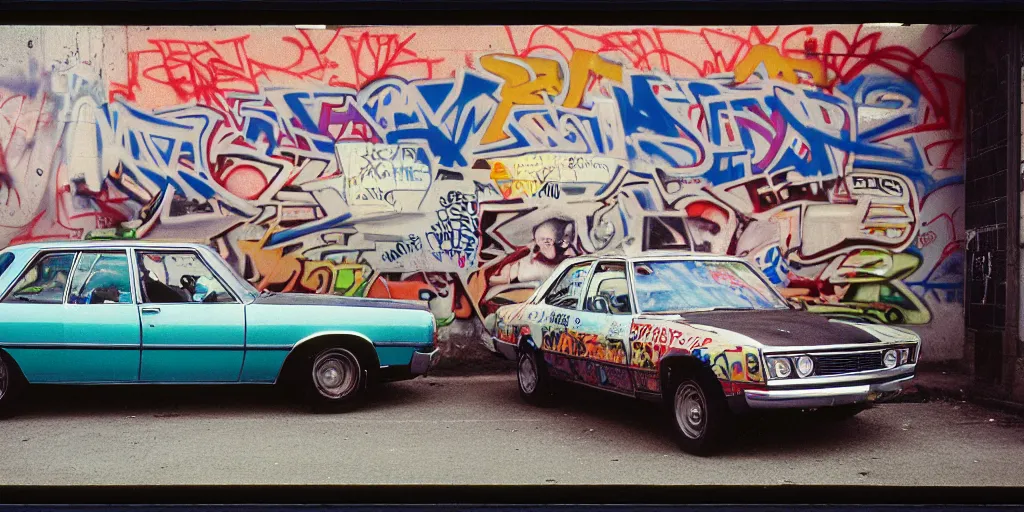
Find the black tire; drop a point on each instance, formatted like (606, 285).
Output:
(12, 385)
(333, 379)
(839, 412)
(535, 386)
(699, 414)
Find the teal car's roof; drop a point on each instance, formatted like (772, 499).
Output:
(23, 251)
(113, 244)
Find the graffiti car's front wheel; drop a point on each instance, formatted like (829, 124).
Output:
(700, 415)
(534, 382)
(337, 380)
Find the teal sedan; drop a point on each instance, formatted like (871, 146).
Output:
(149, 313)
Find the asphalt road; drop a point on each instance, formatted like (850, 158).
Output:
(474, 430)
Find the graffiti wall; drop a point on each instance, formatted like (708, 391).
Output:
(459, 166)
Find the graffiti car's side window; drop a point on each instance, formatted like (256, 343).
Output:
(45, 282)
(566, 293)
(179, 277)
(608, 291)
(101, 278)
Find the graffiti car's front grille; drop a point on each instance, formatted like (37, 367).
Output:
(836, 364)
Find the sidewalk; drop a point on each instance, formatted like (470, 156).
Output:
(951, 384)
(938, 383)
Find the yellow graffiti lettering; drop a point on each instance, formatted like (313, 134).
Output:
(582, 64)
(780, 66)
(527, 81)
(531, 80)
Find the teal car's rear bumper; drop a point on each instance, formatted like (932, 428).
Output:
(422, 361)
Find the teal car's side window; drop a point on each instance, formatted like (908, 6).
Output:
(101, 278)
(45, 281)
(6, 259)
(179, 277)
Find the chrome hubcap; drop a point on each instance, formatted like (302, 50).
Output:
(336, 373)
(527, 374)
(691, 410)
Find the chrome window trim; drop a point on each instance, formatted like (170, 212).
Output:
(71, 273)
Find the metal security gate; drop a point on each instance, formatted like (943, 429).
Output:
(992, 70)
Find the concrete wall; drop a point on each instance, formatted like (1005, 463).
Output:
(460, 164)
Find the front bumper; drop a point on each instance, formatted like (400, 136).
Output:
(812, 398)
(422, 361)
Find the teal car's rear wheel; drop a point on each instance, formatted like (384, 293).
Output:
(336, 380)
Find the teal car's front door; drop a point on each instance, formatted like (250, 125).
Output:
(193, 328)
(92, 336)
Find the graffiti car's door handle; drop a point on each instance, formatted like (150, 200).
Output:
(150, 310)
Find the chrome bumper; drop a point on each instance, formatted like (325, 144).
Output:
(421, 361)
(810, 398)
(505, 349)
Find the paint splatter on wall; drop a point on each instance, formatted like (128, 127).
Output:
(461, 166)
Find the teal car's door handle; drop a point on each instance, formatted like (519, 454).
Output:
(150, 310)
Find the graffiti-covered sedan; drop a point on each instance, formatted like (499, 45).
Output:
(147, 313)
(709, 336)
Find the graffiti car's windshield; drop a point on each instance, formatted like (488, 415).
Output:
(687, 285)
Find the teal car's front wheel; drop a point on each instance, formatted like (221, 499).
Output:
(337, 380)
(11, 385)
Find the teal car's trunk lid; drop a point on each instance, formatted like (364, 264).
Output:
(310, 299)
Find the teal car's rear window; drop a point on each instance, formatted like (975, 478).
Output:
(6, 259)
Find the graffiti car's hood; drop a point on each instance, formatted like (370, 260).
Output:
(793, 328)
(310, 299)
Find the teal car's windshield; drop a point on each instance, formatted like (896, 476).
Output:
(688, 285)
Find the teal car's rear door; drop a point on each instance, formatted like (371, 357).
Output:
(82, 331)
(193, 328)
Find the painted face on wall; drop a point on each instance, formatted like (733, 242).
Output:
(553, 238)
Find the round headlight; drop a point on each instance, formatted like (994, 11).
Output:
(804, 366)
(781, 367)
(890, 359)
